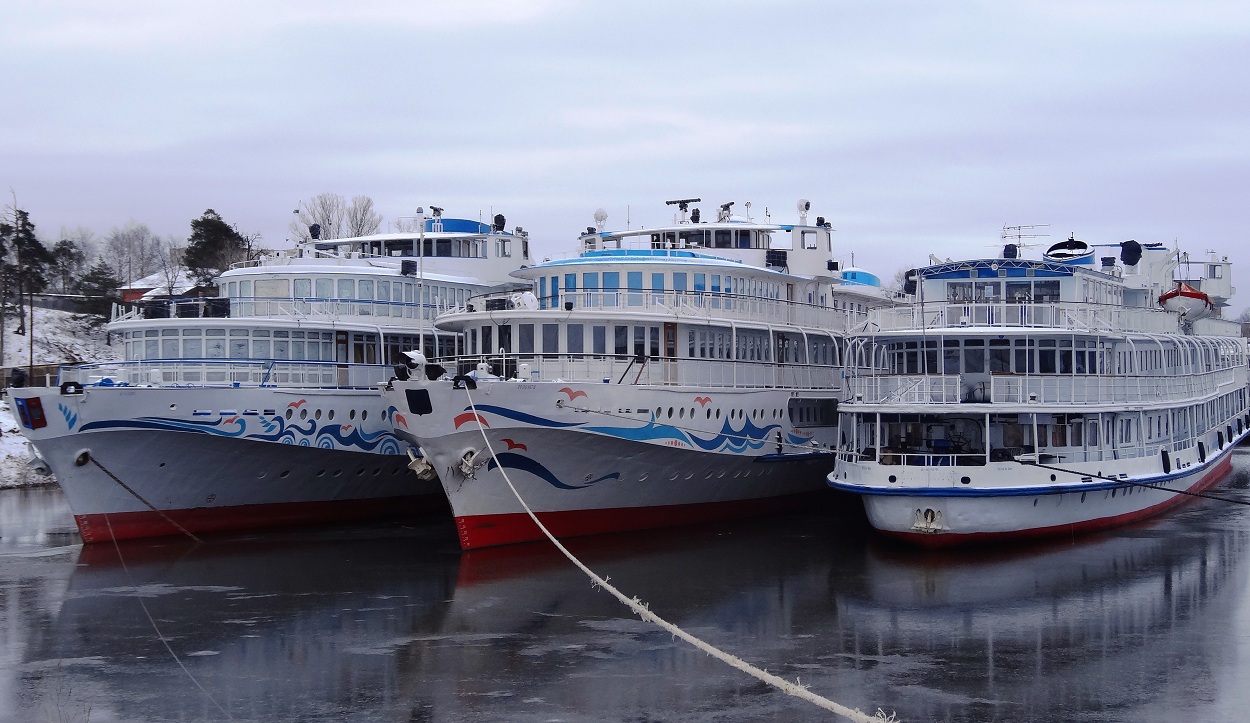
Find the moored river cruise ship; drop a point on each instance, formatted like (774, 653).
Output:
(261, 408)
(662, 376)
(1023, 398)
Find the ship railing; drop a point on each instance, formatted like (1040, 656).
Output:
(276, 307)
(632, 370)
(1100, 389)
(227, 373)
(713, 306)
(1038, 388)
(1061, 315)
(909, 389)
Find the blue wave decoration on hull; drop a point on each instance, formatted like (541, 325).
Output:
(266, 429)
(513, 460)
(522, 417)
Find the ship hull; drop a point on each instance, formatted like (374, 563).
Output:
(947, 518)
(147, 462)
(591, 459)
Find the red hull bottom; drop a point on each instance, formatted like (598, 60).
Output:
(104, 527)
(478, 531)
(946, 541)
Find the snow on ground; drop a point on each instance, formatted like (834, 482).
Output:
(60, 338)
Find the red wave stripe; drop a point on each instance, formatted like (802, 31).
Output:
(466, 417)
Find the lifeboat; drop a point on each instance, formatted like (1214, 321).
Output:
(1187, 301)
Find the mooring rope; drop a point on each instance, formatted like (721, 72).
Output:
(159, 635)
(91, 458)
(796, 689)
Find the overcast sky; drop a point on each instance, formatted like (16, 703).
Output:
(915, 127)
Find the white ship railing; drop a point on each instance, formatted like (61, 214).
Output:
(718, 308)
(1061, 315)
(1038, 388)
(280, 308)
(609, 369)
(225, 373)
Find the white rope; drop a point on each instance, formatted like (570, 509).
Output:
(160, 636)
(796, 689)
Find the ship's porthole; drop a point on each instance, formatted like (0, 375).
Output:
(162, 464)
(1082, 496)
(303, 414)
(893, 478)
(1052, 478)
(670, 412)
(321, 473)
(317, 414)
(364, 414)
(643, 477)
(261, 475)
(330, 415)
(690, 475)
(285, 473)
(965, 480)
(1035, 502)
(173, 407)
(708, 474)
(673, 476)
(338, 473)
(377, 471)
(360, 473)
(289, 413)
(351, 414)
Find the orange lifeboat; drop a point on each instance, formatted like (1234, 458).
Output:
(1187, 301)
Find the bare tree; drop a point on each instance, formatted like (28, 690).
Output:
(133, 250)
(336, 217)
(360, 218)
(407, 225)
(173, 271)
(326, 210)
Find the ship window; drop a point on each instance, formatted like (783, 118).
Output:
(347, 288)
(303, 288)
(260, 348)
(573, 339)
(551, 338)
(192, 348)
(325, 288)
(525, 338)
(621, 338)
(599, 339)
(273, 288)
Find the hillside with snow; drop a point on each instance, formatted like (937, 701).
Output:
(59, 338)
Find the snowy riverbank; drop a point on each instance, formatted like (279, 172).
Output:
(59, 338)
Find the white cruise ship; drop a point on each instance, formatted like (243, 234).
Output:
(662, 376)
(1024, 398)
(260, 408)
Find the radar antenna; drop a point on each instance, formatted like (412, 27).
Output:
(683, 205)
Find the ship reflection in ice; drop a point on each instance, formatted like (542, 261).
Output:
(393, 623)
